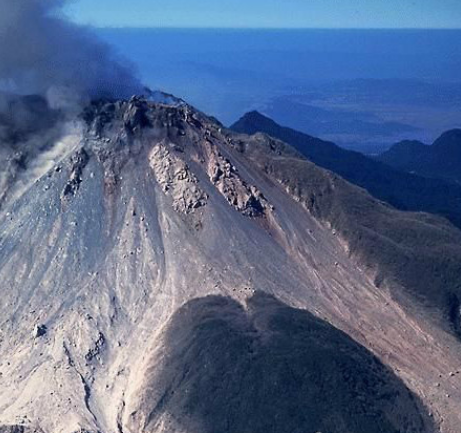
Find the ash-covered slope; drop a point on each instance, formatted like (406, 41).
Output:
(146, 207)
(417, 253)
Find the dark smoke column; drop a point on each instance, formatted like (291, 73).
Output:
(44, 53)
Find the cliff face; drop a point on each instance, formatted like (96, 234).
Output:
(118, 254)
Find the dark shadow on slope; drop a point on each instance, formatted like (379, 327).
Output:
(17, 429)
(273, 369)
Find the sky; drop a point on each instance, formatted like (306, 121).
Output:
(269, 13)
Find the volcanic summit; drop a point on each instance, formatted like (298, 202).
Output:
(161, 273)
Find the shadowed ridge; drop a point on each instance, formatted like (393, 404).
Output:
(402, 190)
(441, 160)
(449, 140)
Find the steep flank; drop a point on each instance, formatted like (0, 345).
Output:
(404, 191)
(441, 160)
(418, 252)
(265, 367)
(151, 206)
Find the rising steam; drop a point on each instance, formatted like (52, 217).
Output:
(49, 68)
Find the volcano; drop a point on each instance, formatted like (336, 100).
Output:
(161, 273)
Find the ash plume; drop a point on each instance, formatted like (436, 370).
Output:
(49, 69)
(44, 53)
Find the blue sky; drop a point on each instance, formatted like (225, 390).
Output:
(270, 13)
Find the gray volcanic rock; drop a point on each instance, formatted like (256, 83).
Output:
(142, 208)
(176, 180)
(79, 162)
(39, 331)
(245, 198)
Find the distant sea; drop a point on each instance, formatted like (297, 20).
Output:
(364, 89)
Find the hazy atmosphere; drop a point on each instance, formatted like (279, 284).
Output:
(364, 89)
(271, 13)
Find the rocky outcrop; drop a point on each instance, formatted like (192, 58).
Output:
(245, 198)
(176, 180)
(96, 349)
(39, 331)
(79, 162)
(135, 116)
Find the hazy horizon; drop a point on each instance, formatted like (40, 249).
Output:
(157, 27)
(269, 14)
(364, 89)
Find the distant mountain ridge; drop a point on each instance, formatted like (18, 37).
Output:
(402, 190)
(440, 160)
